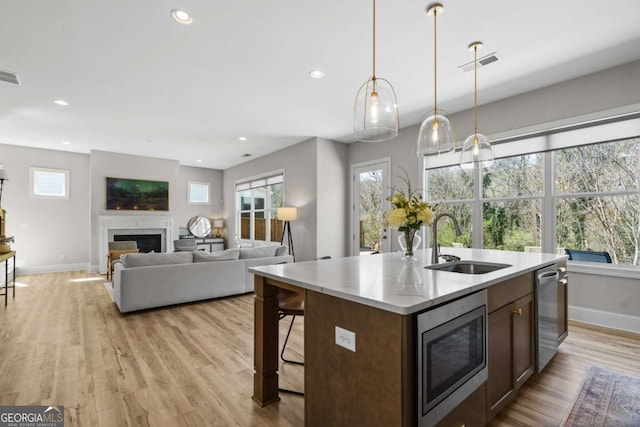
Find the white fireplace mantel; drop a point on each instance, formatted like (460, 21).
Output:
(107, 223)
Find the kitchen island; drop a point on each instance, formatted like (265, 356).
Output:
(370, 304)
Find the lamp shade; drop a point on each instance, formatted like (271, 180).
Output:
(436, 135)
(288, 214)
(477, 149)
(218, 223)
(375, 112)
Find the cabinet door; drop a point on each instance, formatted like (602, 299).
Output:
(500, 383)
(523, 339)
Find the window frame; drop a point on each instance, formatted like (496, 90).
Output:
(547, 142)
(191, 185)
(33, 180)
(265, 182)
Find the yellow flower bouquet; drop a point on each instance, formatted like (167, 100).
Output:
(408, 212)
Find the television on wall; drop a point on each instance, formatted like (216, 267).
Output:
(137, 195)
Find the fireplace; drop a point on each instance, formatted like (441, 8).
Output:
(141, 228)
(146, 242)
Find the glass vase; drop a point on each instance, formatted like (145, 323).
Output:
(409, 241)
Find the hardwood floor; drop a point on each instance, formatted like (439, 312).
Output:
(63, 342)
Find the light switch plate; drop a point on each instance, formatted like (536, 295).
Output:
(346, 339)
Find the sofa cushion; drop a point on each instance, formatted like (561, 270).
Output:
(226, 255)
(258, 252)
(145, 260)
(282, 250)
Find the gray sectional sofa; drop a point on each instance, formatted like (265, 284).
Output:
(150, 280)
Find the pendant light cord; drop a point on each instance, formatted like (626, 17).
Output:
(374, 41)
(435, 62)
(475, 92)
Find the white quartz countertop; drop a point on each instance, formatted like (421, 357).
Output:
(387, 282)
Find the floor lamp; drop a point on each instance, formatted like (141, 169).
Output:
(287, 215)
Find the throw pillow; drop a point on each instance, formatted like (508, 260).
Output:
(282, 250)
(226, 255)
(258, 252)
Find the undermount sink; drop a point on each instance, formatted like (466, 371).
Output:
(468, 267)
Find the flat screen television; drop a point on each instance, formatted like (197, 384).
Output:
(137, 195)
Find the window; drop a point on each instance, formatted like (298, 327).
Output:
(450, 189)
(199, 193)
(597, 199)
(584, 197)
(512, 191)
(257, 203)
(48, 183)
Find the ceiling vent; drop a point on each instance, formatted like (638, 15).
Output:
(482, 62)
(246, 155)
(6, 76)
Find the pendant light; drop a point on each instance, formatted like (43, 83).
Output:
(375, 111)
(436, 132)
(477, 147)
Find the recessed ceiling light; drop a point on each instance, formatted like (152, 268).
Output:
(316, 74)
(66, 143)
(61, 102)
(242, 138)
(199, 161)
(181, 16)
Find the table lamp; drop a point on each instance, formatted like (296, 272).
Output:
(218, 224)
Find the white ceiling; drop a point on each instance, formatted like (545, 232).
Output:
(139, 83)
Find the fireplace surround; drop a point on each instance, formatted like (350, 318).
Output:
(112, 225)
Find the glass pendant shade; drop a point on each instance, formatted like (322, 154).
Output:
(375, 112)
(476, 149)
(436, 135)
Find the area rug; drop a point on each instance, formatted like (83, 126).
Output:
(607, 398)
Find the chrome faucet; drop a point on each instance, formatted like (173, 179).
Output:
(434, 246)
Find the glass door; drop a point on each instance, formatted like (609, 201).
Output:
(369, 200)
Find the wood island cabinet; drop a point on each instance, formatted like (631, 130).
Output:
(511, 345)
(372, 380)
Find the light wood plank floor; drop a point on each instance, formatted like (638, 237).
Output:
(64, 342)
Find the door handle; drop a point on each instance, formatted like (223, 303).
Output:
(517, 311)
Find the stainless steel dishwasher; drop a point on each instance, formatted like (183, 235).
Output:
(546, 315)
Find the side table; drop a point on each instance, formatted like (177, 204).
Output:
(9, 260)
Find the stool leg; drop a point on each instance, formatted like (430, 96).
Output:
(285, 344)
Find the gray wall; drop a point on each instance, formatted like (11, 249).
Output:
(299, 165)
(560, 103)
(105, 164)
(50, 235)
(186, 211)
(333, 199)
(62, 235)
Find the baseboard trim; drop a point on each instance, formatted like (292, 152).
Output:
(51, 268)
(605, 319)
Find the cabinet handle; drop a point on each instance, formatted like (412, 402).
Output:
(562, 269)
(517, 311)
(563, 281)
